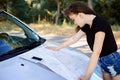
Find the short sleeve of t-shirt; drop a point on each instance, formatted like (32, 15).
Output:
(100, 25)
(85, 28)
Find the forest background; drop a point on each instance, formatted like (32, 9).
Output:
(46, 18)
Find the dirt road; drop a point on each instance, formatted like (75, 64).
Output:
(80, 45)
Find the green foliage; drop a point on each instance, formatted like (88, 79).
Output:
(34, 10)
(20, 8)
(115, 27)
(24, 11)
(109, 9)
(3, 4)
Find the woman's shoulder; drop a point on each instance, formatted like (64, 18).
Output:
(100, 24)
(100, 21)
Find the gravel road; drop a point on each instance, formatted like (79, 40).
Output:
(80, 45)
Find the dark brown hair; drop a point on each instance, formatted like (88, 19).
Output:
(75, 8)
(77, 28)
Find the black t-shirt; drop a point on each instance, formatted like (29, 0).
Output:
(100, 24)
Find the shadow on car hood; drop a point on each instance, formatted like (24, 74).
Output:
(68, 63)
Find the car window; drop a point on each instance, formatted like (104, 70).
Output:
(14, 33)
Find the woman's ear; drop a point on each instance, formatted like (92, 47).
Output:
(81, 15)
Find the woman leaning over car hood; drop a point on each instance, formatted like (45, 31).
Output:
(99, 37)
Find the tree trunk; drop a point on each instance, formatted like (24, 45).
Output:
(58, 12)
(90, 4)
(39, 18)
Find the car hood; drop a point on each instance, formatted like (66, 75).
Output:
(43, 64)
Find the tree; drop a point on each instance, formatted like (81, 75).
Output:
(58, 11)
(109, 9)
(3, 4)
(20, 9)
(90, 4)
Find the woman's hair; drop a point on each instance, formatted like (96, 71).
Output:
(77, 28)
(75, 8)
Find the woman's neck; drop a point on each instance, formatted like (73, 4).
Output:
(89, 19)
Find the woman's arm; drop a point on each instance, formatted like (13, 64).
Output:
(68, 42)
(98, 44)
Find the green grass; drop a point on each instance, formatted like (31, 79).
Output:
(115, 27)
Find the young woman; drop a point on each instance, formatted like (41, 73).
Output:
(99, 37)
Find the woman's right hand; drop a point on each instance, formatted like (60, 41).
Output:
(54, 48)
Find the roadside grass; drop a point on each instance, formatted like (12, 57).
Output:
(47, 28)
(116, 31)
(65, 30)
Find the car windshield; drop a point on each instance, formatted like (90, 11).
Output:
(14, 34)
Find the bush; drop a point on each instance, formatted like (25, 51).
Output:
(109, 9)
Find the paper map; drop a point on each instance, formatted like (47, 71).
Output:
(67, 63)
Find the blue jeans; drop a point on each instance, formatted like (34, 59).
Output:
(111, 63)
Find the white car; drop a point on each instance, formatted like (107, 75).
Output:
(24, 57)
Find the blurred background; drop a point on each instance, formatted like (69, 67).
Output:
(45, 15)
(33, 11)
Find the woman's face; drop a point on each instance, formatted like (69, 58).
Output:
(77, 19)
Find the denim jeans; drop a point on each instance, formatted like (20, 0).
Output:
(111, 63)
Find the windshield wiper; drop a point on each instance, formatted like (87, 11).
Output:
(19, 50)
(13, 53)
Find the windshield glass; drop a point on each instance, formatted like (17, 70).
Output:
(15, 34)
